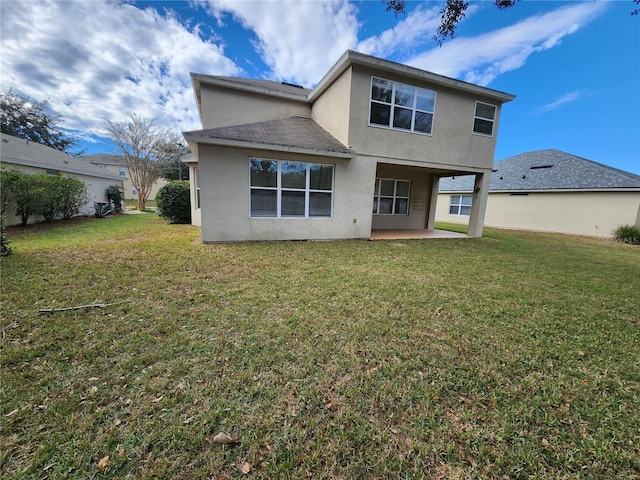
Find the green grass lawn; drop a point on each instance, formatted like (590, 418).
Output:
(511, 356)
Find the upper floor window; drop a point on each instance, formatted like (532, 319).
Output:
(290, 189)
(105, 167)
(121, 171)
(402, 107)
(484, 118)
(391, 197)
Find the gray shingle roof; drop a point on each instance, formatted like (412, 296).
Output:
(103, 159)
(14, 150)
(547, 170)
(301, 133)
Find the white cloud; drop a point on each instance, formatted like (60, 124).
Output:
(563, 100)
(481, 59)
(101, 60)
(299, 41)
(417, 28)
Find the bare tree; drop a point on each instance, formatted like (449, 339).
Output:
(139, 142)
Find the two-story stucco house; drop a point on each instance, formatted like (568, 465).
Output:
(362, 151)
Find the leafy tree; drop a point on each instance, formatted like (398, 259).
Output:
(139, 142)
(170, 167)
(31, 119)
(454, 11)
(174, 202)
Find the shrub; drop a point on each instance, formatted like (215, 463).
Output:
(115, 195)
(174, 202)
(74, 196)
(5, 249)
(628, 234)
(48, 191)
(24, 195)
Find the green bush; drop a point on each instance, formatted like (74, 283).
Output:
(174, 202)
(115, 195)
(5, 249)
(628, 234)
(39, 194)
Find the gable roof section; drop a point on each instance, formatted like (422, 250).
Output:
(548, 170)
(293, 92)
(18, 151)
(294, 134)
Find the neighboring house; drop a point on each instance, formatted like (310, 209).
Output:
(551, 191)
(113, 164)
(29, 157)
(362, 150)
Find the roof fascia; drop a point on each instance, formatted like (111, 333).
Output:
(267, 146)
(198, 79)
(355, 58)
(30, 163)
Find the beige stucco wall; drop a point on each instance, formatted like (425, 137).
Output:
(331, 109)
(452, 143)
(96, 190)
(225, 197)
(127, 186)
(580, 213)
(222, 107)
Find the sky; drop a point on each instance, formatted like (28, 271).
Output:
(574, 66)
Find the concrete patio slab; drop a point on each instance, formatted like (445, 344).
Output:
(413, 234)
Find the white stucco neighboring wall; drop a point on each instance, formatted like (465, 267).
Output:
(581, 213)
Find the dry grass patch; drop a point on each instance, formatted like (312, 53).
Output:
(512, 356)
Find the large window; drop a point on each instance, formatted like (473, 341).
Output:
(460, 205)
(391, 197)
(484, 118)
(290, 189)
(196, 182)
(402, 107)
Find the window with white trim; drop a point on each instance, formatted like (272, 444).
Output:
(460, 205)
(122, 171)
(484, 118)
(401, 107)
(285, 189)
(391, 197)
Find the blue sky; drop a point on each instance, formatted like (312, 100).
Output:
(574, 66)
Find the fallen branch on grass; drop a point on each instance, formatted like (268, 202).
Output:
(79, 307)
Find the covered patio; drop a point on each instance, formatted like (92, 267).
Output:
(414, 234)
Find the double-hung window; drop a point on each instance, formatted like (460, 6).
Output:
(401, 107)
(290, 189)
(122, 171)
(460, 205)
(391, 197)
(484, 118)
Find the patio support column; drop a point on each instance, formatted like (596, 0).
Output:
(479, 204)
(433, 201)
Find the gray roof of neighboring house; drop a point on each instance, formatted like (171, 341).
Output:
(547, 170)
(18, 151)
(299, 134)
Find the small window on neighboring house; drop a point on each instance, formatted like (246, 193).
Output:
(134, 192)
(53, 173)
(460, 205)
(391, 197)
(484, 118)
(196, 181)
(122, 172)
(105, 167)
